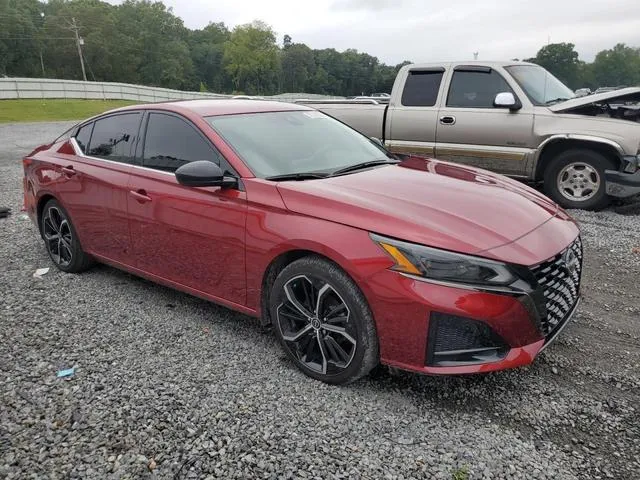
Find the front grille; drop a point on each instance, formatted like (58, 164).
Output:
(559, 278)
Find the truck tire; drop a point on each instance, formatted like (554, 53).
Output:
(575, 179)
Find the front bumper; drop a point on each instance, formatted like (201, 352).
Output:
(441, 329)
(626, 181)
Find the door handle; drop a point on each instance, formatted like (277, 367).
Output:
(68, 171)
(448, 120)
(140, 195)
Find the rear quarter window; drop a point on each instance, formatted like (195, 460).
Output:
(83, 136)
(421, 88)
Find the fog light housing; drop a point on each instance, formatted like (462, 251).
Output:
(457, 341)
(631, 164)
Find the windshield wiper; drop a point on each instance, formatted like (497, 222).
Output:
(360, 166)
(556, 100)
(297, 176)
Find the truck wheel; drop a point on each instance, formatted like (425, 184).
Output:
(575, 179)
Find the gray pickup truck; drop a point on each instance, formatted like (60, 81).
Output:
(513, 118)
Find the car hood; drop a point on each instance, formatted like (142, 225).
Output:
(427, 202)
(623, 95)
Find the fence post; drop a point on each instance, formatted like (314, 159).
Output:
(17, 90)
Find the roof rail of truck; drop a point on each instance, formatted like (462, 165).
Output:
(339, 102)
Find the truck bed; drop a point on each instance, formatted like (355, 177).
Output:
(366, 117)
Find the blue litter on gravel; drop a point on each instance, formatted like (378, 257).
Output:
(66, 373)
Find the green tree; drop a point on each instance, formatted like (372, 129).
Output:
(207, 52)
(251, 58)
(617, 66)
(20, 39)
(298, 67)
(561, 60)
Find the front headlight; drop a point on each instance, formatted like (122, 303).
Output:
(444, 266)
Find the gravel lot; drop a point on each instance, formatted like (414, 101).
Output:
(169, 386)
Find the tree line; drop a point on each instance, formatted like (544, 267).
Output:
(615, 67)
(144, 42)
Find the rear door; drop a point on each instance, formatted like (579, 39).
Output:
(474, 132)
(411, 124)
(94, 186)
(193, 237)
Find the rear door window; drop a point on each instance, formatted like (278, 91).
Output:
(114, 137)
(421, 88)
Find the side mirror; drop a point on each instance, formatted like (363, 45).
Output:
(204, 173)
(507, 100)
(377, 141)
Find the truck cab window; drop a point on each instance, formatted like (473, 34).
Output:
(421, 88)
(473, 89)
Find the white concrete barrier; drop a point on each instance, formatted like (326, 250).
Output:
(12, 88)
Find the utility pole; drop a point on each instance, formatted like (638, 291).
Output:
(73, 26)
(40, 42)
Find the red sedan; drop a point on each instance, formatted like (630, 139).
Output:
(354, 255)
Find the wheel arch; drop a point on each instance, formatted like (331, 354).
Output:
(42, 201)
(285, 258)
(556, 145)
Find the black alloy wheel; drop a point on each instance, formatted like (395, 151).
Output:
(323, 321)
(61, 240)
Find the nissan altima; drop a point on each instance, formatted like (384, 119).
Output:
(355, 256)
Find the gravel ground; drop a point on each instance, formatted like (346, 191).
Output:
(169, 386)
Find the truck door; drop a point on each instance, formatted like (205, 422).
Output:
(412, 120)
(471, 130)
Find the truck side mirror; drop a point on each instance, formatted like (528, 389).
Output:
(507, 100)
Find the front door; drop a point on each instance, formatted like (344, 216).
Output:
(94, 186)
(193, 237)
(474, 132)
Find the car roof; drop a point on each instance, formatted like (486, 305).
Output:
(216, 107)
(479, 63)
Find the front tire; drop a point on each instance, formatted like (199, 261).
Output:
(323, 321)
(575, 179)
(61, 239)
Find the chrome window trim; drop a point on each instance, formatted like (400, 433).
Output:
(81, 154)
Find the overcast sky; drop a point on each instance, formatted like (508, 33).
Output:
(432, 30)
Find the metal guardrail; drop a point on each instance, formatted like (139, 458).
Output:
(46, 88)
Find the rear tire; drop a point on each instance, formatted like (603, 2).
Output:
(575, 179)
(61, 240)
(323, 321)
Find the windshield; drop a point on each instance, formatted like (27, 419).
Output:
(541, 87)
(282, 143)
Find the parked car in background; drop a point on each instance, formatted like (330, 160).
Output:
(513, 118)
(279, 211)
(609, 89)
